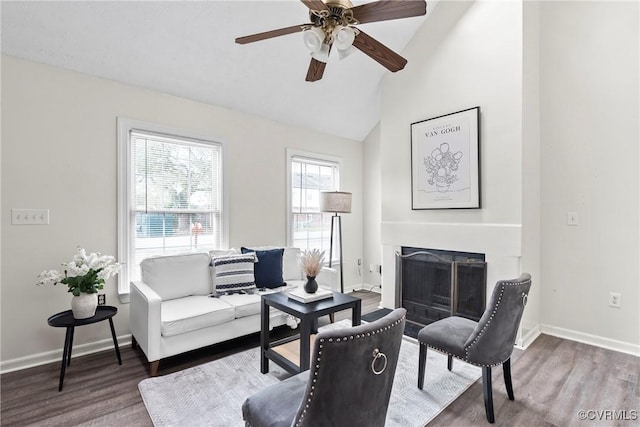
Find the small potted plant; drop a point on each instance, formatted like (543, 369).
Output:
(84, 276)
(311, 262)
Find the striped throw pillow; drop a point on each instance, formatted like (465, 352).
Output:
(234, 273)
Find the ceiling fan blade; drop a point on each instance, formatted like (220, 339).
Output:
(379, 52)
(270, 34)
(385, 10)
(315, 4)
(316, 70)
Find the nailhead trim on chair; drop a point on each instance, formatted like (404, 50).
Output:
(318, 360)
(493, 313)
(466, 350)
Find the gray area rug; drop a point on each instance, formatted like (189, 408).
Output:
(212, 394)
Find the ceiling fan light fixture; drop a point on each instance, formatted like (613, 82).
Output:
(321, 55)
(343, 53)
(343, 37)
(313, 39)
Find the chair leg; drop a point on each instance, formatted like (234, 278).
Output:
(422, 363)
(506, 370)
(488, 393)
(449, 362)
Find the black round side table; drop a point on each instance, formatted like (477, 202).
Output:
(65, 319)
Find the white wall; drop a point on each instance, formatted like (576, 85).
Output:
(467, 54)
(372, 243)
(531, 167)
(589, 134)
(557, 83)
(59, 153)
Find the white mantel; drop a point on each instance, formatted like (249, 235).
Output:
(501, 244)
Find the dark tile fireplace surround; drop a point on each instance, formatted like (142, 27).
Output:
(432, 284)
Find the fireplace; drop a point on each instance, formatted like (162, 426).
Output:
(432, 284)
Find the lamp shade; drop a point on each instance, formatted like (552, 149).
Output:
(344, 37)
(321, 55)
(313, 39)
(343, 53)
(335, 201)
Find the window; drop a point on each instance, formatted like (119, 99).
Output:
(170, 196)
(308, 175)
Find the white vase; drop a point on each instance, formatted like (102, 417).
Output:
(84, 305)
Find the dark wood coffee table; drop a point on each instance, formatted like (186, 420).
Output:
(308, 313)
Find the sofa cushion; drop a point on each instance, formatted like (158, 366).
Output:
(182, 315)
(244, 304)
(249, 305)
(223, 252)
(177, 276)
(212, 270)
(291, 264)
(234, 273)
(268, 269)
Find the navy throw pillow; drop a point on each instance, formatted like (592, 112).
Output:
(268, 269)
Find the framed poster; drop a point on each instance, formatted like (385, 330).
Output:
(445, 158)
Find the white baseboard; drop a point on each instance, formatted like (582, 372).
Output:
(363, 287)
(528, 337)
(371, 288)
(526, 340)
(595, 340)
(56, 355)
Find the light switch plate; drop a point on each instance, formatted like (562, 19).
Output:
(30, 216)
(572, 218)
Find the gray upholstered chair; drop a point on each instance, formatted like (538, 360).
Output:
(486, 343)
(349, 383)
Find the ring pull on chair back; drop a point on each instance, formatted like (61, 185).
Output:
(349, 383)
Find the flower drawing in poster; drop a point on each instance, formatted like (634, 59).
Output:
(442, 167)
(445, 161)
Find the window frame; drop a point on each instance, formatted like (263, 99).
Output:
(293, 154)
(125, 239)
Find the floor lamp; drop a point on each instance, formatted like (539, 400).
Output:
(336, 202)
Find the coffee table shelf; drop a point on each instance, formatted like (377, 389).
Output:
(308, 313)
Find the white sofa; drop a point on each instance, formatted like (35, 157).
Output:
(172, 312)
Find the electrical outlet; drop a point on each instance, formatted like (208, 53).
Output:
(102, 299)
(615, 300)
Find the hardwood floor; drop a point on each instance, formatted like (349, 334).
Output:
(99, 392)
(552, 381)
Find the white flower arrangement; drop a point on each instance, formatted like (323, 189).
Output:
(311, 262)
(84, 273)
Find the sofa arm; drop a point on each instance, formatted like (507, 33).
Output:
(329, 278)
(144, 319)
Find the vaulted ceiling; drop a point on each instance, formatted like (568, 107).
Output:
(187, 49)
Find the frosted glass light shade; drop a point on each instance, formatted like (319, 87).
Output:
(335, 201)
(313, 39)
(343, 53)
(344, 37)
(322, 55)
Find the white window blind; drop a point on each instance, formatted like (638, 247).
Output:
(311, 228)
(173, 201)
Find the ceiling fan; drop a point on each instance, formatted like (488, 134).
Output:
(332, 24)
